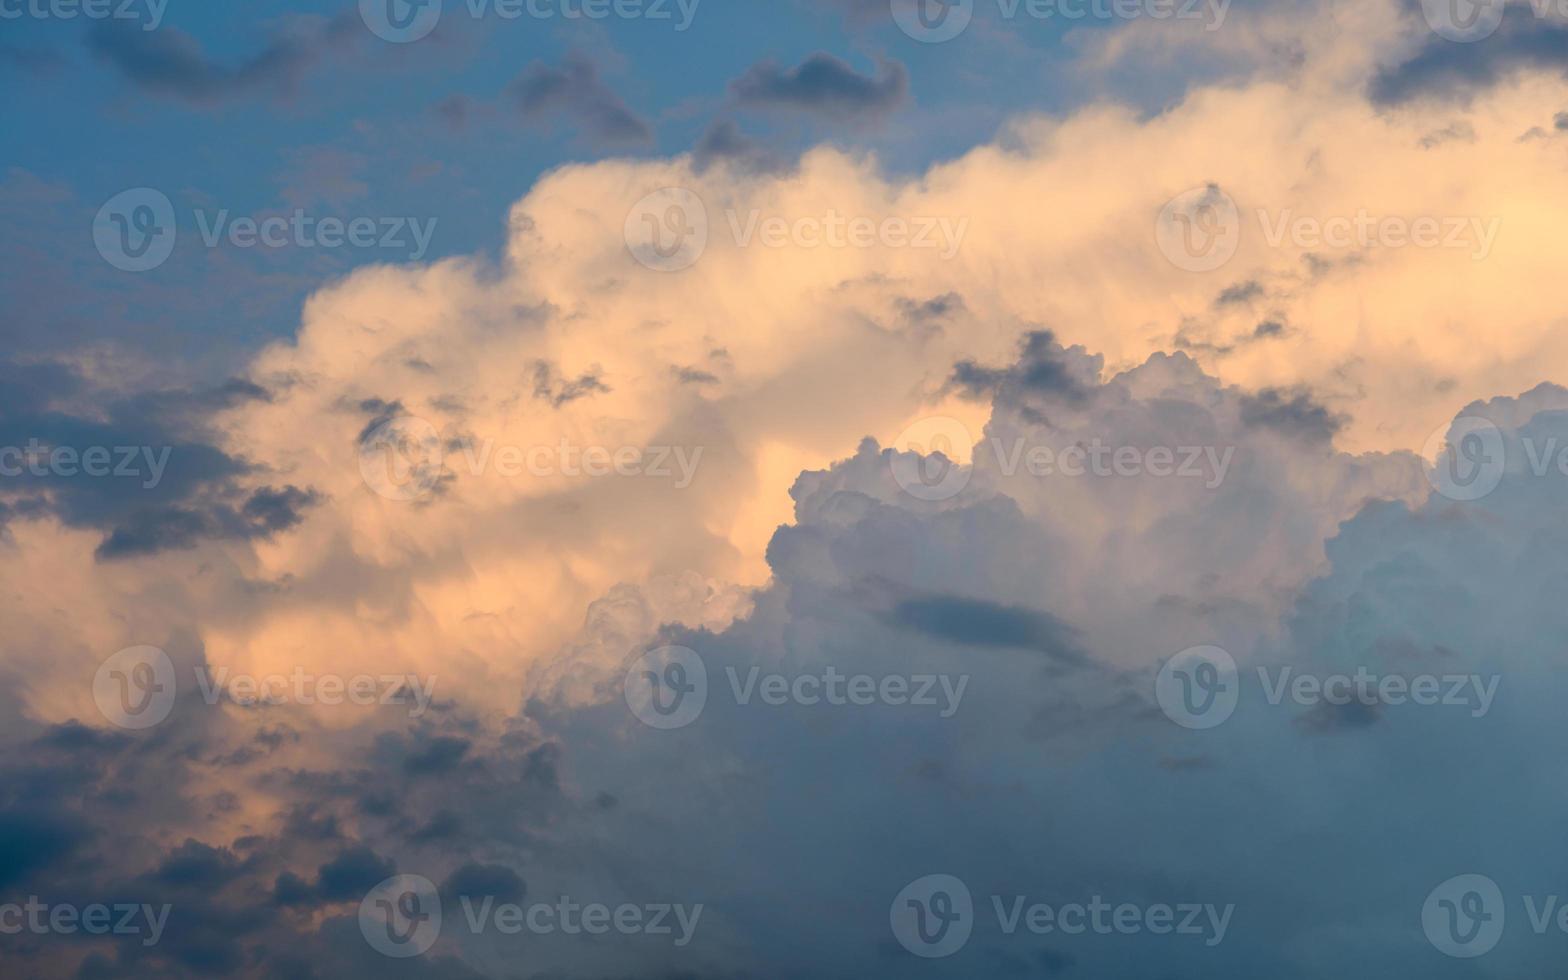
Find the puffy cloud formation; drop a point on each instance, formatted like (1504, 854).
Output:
(1016, 444)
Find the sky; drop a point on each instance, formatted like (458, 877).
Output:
(698, 490)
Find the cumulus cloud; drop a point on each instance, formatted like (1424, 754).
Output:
(849, 458)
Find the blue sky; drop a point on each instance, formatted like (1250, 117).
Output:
(355, 125)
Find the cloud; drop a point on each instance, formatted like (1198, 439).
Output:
(172, 63)
(156, 481)
(723, 142)
(1296, 528)
(1443, 69)
(576, 91)
(823, 85)
(1292, 413)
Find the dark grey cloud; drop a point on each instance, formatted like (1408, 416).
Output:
(1041, 370)
(352, 873)
(171, 63)
(166, 486)
(723, 142)
(977, 622)
(1445, 69)
(1241, 292)
(823, 85)
(33, 839)
(575, 90)
(263, 514)
(1295, 413)
(485, 880)
(549, 386)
